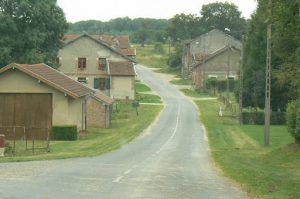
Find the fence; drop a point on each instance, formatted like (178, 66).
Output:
(21, 140)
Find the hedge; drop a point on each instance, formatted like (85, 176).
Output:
(277, 118)
(66, 133)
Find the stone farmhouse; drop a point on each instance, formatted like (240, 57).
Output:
(99, 64)
(211, 55)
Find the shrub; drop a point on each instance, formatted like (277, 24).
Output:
(293, 119)
(277, 118)
(68, 132)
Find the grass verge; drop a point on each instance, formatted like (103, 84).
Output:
(193, 93)
(181, 81)
(264, 172)
(126, 125)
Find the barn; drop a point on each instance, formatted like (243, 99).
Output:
(39, 96)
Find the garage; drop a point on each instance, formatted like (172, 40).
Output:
(30, 112)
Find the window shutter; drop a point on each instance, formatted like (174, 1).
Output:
(107, 83)
(96, 83)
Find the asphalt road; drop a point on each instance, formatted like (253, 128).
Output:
(169, 160)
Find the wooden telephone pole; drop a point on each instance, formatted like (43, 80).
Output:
(268, 80)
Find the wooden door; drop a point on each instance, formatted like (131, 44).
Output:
(33, 111)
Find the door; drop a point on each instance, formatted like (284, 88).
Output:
(33, 111)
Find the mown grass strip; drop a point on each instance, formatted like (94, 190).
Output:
(264, 172)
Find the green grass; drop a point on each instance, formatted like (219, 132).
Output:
(264, 172)
(181, 81)
(193, 93)
(139, 87)
(148, 98)
(126, 125)
(147, 56)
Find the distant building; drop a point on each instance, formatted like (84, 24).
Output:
(99, 65)
(211, 55)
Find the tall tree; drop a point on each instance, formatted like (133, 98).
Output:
(30, 30)
(223, 15)
(285, 47)
(182, 27)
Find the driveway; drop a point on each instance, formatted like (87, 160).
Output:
(169, 160)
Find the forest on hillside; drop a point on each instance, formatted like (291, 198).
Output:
(153, 28)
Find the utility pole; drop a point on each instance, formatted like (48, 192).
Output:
(241, 82)
(268, 80)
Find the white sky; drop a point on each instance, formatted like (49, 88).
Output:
(78, 10)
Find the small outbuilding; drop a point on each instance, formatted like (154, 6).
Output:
(39, 96)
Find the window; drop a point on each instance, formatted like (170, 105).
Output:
(82, 80)
(102, 63)
(81, 63)
(102, 83)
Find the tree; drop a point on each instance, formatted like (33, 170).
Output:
(183, 27)
(223, 15)
(31, 31)
(285, 47)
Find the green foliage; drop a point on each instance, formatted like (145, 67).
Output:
(183, 27)
(175, 59)
(66, 133)
(140, 29)
(293, 119)
(223, 15)
(285, 46)
(277, 118)
(30, 31)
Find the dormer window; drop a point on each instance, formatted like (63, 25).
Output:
(102, 64)
(81, 63)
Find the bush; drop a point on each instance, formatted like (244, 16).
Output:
(293, 119)
(277, 118)
(64, 132)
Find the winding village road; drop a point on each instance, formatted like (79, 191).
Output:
(169, 160)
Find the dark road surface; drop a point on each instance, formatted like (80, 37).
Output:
(169, 160)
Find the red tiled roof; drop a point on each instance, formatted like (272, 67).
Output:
(102, 97)
(121, 68)
(53, 78)
(129, 52)
(96, 38)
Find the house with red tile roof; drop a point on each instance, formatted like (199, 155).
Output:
(37, 95)
(99, 64)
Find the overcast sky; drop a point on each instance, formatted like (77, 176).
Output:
(78, 10)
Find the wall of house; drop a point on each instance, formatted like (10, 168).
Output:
(120, 85)
(66, 111)
(218, 66)
(96, 113)
(88, 48)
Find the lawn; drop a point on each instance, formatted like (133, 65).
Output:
(264, 172)
(126, 125)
